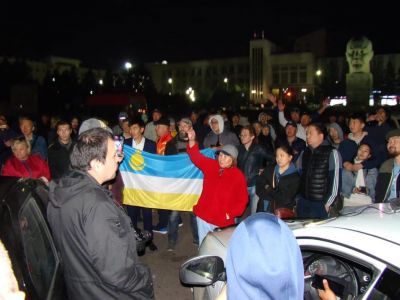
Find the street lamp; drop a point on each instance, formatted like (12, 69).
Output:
(170, 81)
(190, 93)
(318, 92)
(128, 66)
(226, 83)
(101, 82)
(304, 91)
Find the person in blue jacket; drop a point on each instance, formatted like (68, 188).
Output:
(273, 268)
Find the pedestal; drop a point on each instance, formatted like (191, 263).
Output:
(358, 90)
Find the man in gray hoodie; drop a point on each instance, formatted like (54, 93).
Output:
(219, 136)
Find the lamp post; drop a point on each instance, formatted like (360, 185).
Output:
(226, 81)
(318, 90)
(170, 82)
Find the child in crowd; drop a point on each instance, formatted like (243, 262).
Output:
(358, 188)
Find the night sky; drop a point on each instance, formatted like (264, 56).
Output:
(104, 34)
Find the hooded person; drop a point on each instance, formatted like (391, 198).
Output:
(264, 119)
(274, 268)
(335, 136)
(219, 136)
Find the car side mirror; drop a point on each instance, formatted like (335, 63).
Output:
(202, 271)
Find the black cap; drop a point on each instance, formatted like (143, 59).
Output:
(291, 123)
(162, 121)
(393, 133)
(156, 110)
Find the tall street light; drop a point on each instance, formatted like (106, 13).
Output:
(318, 92)
(170, 82)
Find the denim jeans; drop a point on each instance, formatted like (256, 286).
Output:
(253, 199)
(311, 209)
(349, 182)
(173, 226)
(163, 215)
(204, 228)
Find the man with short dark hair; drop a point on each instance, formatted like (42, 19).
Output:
(60, 150)
(348, 147)
(150, 129)
(138, 141)
(92, 231)
(292, 140)
(320, 170)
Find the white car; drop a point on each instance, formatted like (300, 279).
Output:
(359, 252)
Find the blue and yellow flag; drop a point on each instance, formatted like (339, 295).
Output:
(156, 181)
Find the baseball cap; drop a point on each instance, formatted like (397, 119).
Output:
(230, 150)
(93, 123)
(393, 133)
(123, 115)
(291, 123)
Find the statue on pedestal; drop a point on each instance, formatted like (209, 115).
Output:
(359, 79)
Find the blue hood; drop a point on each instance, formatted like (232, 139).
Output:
(292, 169)
(264, 261)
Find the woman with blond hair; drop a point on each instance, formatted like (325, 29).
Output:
(23, 164)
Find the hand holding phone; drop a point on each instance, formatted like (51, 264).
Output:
(119, 145)
(336, 287)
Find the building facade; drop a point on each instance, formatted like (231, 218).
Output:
(267, 70)
(55, 64)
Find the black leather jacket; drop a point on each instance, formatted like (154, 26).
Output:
(251, 161)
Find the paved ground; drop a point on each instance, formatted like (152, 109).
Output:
(165, 265)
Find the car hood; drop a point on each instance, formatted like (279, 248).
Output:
(378, 220)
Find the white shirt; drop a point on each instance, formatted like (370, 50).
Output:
(139, 146)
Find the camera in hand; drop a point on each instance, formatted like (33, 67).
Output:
(141, 237)
(183, 136)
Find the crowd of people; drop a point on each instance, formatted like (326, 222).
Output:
(286, 161)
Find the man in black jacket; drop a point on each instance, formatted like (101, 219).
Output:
(251, 160)
(60, 150)
(92, 231)
(320, 169)
(138, 141)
